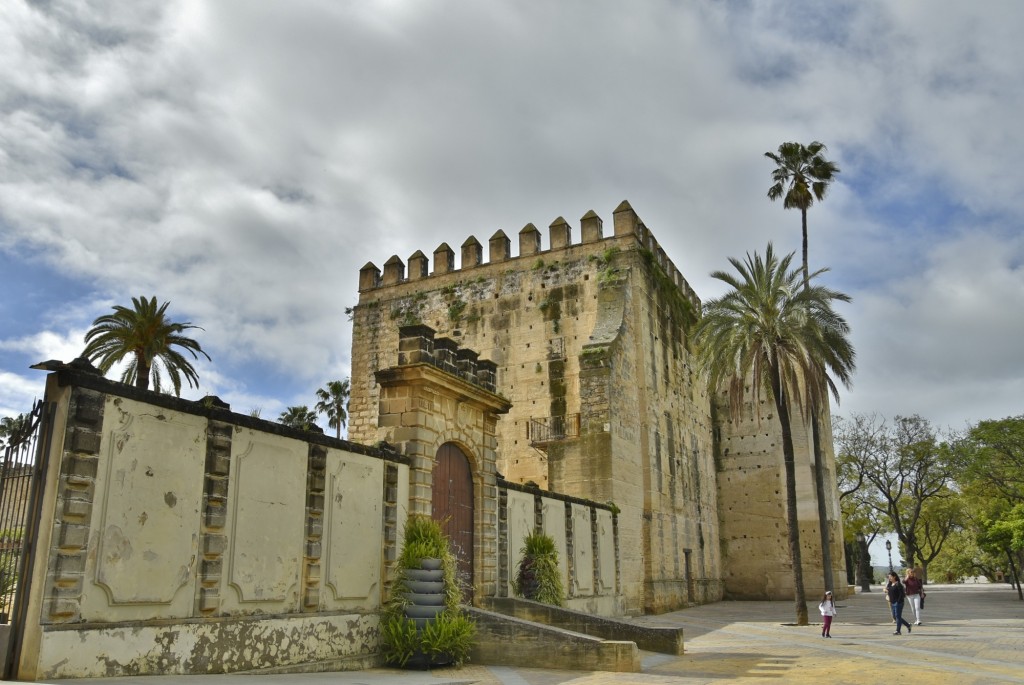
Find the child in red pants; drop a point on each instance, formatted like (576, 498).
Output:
(828, 611)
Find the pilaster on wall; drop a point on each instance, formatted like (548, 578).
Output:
(76, 493)
(504, 571)
(570, 552)
(215, 499)
(316, 480)
(391, 505)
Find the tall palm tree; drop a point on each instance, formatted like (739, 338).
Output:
(300, 416)
(779, 335)
(14, 429)
(332, 401)
(146, 337)
(801, 176)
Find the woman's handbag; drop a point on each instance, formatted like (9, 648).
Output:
(923, 595)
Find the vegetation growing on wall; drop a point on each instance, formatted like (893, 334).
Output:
(607, 275)
(455, 310)
(671, 297)
(408, 311)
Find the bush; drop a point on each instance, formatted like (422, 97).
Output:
(447, 638)
(538, 577)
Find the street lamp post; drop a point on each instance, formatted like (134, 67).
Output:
(864, 565)
(888, 548)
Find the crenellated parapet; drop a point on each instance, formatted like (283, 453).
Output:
(626, 224)
(418, 345)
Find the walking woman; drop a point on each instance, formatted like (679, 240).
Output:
(912, 584)
(896, 594)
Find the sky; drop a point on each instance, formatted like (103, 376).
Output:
(244, 160)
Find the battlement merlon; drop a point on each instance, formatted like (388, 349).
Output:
(626, 224)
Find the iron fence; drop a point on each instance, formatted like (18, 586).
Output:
(17, 476)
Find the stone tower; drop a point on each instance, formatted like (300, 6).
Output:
(591, 348)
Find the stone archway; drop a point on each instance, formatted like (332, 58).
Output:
(452, 505)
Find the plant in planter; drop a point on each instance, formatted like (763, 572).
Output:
(538, 577)
(422, 624)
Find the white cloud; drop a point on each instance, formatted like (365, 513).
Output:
(244, 160)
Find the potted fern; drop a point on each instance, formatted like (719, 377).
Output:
(422, 624)
(538, 577)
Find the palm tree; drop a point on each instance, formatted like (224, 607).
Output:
(14, 429)
(332, 401)
(801, 176)
(300, 417)
(779, 336)
(145, 336)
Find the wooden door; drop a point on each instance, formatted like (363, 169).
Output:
(452, 505)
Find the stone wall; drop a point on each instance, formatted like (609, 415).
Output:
(181, 538)
(585, 539)
(752, 489)
(214, 541)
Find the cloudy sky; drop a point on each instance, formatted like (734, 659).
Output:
(243, 160)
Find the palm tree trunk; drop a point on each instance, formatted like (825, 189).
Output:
(803, 218)
(792, 523)
(142, 372)
(819, 486)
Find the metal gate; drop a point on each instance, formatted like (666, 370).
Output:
(452, 505)
(27, 438)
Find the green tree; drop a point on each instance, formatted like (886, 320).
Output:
(801, 176)
(300, 417)
(907, 467)
(994, 454)
(855, 439)
(941, 517)
(332, 401)
(991, 463)
(145, 337)
(771, 332)
(13, 429)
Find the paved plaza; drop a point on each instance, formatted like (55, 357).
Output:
(971, 634)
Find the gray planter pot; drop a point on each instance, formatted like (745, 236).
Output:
(425, 574)
(427, 611)
(425, 586)
(424, 599)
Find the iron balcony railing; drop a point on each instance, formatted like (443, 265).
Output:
(541, 431)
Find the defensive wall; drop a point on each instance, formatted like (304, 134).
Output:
(590, 345)
(179, 537)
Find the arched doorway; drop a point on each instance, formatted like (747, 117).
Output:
(452, 505)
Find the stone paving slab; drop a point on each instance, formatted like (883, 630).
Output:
(971, 635)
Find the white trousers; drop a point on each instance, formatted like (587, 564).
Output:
(915, 602)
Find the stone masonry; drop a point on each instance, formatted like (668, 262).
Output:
(590, 344)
